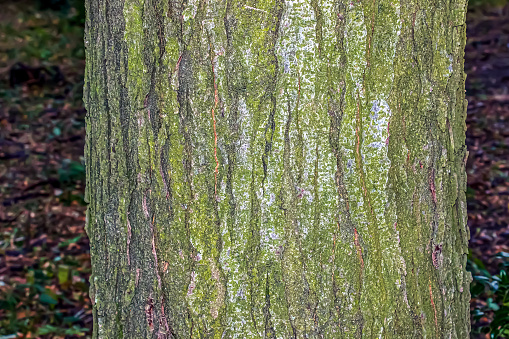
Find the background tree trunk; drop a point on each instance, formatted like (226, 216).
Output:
(277, 169)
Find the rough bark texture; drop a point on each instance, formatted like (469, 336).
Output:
(277, 169)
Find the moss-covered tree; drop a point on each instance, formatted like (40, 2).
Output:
(277, 169)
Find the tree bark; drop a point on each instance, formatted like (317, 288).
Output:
(277, 169)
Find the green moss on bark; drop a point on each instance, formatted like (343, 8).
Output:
(277, 169)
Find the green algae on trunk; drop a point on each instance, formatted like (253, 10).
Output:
(277, 169)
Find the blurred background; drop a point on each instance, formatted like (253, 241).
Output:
(44, 258)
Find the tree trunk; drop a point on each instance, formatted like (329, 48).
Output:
(277, 169)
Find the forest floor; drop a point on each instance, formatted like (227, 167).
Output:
(44, 254)
(487, 138)
(44, 258)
